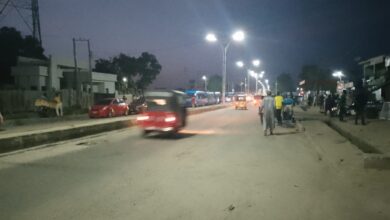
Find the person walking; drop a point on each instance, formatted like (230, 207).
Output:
(268, 108)
(58, 105)
(193, 101)
(343, 105)
(278, 107)
(261, 110)
(329, 104)
(360, 104)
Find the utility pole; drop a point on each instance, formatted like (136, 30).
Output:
(32, 6)
(76, 74)
(78, 83)
(35, 21)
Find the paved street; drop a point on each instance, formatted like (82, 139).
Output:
(220, 167)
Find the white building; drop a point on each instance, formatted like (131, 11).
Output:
(35, 74)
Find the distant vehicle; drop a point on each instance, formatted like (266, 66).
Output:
(200, 98)
(256, 100)
(166, 112)
(240, 102)
(137, 106)
(109, 107)
(228, 98)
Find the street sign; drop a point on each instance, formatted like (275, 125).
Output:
(302, 82)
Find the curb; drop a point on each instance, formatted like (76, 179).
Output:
(31, 140)
(373, 158)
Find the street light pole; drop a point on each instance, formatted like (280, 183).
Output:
(257, 76)
(225, 47)
(237, 36)
(205, 82)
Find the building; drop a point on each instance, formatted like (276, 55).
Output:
(40, 75)
(376, 76)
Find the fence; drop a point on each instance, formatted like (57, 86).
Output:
(16, 101)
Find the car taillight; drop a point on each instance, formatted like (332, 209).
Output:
(170, 119)
(142, 118)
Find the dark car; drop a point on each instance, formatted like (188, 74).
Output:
(137, 106)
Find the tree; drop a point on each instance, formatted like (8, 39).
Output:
(285, 82)
(12, 45)
(317, 78)
(148, 69)
(215, 83)
(140, 72)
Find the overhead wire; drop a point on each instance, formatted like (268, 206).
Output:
(20, 14)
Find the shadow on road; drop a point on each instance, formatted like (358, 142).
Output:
(285, 133)
(177, 136)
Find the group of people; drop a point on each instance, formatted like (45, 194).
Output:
(273, 107)
(333, 102)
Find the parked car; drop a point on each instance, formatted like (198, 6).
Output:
(137, 106)
(109, 107)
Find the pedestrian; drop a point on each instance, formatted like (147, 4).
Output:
(124, 98)
(268, 108)
(261, 110)
(343, 105)
(328, 104)
(193, 101)
(278, 107)
(321, 102)
(360, 104)
(58, 105)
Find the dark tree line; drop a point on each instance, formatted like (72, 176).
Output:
(12, 45)
(139, 72)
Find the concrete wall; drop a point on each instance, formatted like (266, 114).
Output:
(105, 81)
(28, 77)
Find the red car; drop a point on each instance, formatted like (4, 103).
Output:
(109, 108)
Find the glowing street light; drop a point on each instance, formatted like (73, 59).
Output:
(225, 43)
(211, 37)
(238, 36)
(255, 63)
(124, 79)
(240, 64)
(338, 74)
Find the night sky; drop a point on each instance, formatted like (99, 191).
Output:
(283, 34)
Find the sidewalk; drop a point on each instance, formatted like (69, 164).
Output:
(373, 139)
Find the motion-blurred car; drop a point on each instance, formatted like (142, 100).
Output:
(137, 106)
(166, 112)
(109, 107)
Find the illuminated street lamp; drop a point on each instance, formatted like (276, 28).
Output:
(255, 63)
(240, 64)
(338, 74)
(124, 80)
(205, 82)
(237, 36)
(211, 37)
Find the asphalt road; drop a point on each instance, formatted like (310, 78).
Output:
(220, 167)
